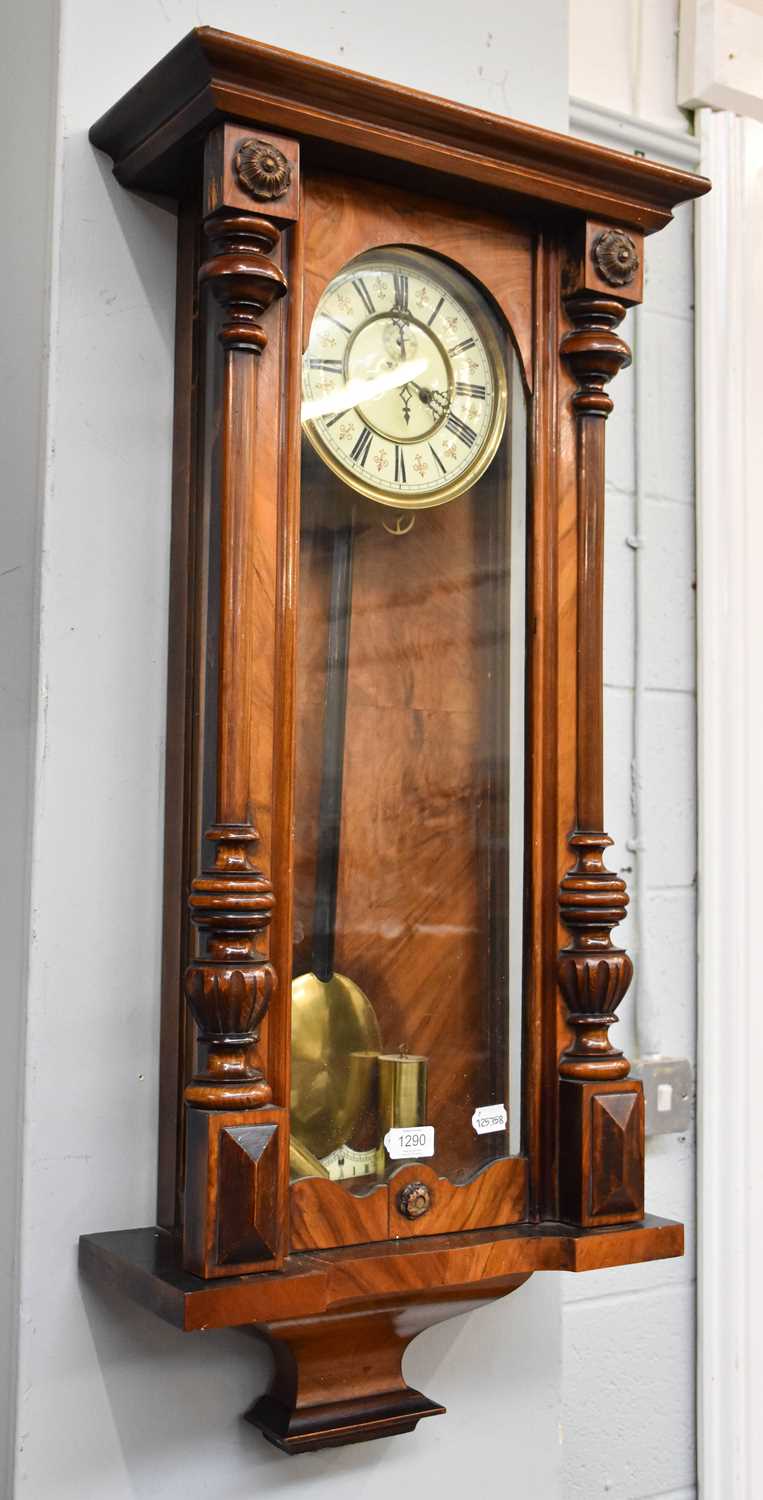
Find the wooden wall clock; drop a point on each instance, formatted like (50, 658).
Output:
(388, 1091)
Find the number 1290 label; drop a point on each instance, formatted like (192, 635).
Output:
(409, 1142)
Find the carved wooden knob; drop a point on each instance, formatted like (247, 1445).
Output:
(414, 1200)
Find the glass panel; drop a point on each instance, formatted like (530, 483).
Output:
(406, 1000)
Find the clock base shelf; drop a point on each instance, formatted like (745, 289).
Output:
(333, 1318)
(316, 1401)
(329, 1426)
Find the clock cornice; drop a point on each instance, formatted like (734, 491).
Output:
(374, 127)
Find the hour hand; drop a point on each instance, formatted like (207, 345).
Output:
(406, 396)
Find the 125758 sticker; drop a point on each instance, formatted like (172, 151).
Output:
(489, 1117)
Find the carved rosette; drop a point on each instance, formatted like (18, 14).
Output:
(230, 986)
(262, 169)
(593, 974)
(615, 257)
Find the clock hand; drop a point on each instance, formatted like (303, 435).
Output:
(358, 390)
(401, 325)
(406, 396)
(439, 401)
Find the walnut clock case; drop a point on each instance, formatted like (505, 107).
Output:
(388, 1091)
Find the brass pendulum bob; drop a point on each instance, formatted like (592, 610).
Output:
(331, 1016)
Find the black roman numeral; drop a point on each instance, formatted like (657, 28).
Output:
(335, 418)
(337, 322)
(333, 366)
(459, 348)
(363, 293)
(460, 429)
(399, 465)
(464, 389)
(437, 458)
(430, 321)
(400, 279)
(362, 445)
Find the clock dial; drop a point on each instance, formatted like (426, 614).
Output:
(404, 386)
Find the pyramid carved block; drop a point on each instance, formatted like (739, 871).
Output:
(235, 1164)
(616, 1151)
(248, 1193)
(601, 1152)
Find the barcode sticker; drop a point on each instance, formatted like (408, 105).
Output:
(489, 1117)
(409, 1142)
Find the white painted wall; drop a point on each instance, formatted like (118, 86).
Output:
(729, 457)
(628, 1424)
(721, 56)
(623, 55)
(110, 1401)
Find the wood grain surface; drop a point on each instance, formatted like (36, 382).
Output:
(146, 1264)
(345, 216)
(328, 1214)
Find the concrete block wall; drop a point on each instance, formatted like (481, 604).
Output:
(628, 1336)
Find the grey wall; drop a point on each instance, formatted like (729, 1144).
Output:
(111, 1402)
(646, 1446)
(26, 190)
(630, 1335)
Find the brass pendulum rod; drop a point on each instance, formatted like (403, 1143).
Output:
(331, 1017)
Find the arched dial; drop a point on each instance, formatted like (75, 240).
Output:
(404, 386)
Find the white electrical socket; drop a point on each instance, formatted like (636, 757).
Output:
(668, 1091)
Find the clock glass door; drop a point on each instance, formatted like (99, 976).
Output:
(409, 847)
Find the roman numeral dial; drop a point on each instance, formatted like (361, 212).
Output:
(400, 283)
(363, 294)
(404, 382)
(461, 430)
(361, 447)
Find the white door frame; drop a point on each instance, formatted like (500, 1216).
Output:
(730, 707)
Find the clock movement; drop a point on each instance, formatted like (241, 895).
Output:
(388, 1092)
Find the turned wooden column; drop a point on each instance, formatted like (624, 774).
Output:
(236, 1142)
(593, 974)
(230, 985)
(601, 1114)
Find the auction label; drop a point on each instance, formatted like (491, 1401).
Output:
(409, 1142)
(489, 1117)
